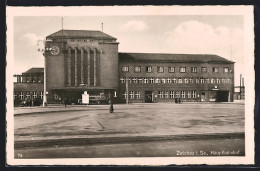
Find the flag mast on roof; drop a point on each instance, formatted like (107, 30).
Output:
(102, 34)
(62, 33)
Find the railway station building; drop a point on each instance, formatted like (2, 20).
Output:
(82, 60)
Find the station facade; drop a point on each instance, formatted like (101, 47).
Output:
(81, 60)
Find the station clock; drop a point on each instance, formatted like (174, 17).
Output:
(55, 50)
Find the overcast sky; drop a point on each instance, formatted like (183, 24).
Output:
(220, 35)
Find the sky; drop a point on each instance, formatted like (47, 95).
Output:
(183, 34)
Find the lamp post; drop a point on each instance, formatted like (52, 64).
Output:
(126, 79)
(43, 50)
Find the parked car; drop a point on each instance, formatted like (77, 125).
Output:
(35, 102)
(97, 100)
(26, 103)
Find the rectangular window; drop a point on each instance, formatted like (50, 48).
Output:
(159, 69)
(21, 96)
(223, 81)
(166, 94)
(186, 80)
(15, 95)
(27, 95)
(125, 68)
(122, 80)
(140, 80)
(137, 94)
(189, 94)
(203, 69)
(179, 80)
(160, 94)
(125, 95)
(218, 81)
(129, 80)
(193, 69)
(212, 81)
(191, 80)
(169, 80)
(151, 80)
(171, 94)
(56, 97)
(215, 69)
(182, 69)
(134, 80)
(177, 94)
(226, 69)
(157, 80)
(148, 69)
(132, 95)
(145, 80)
(171, 69)
(206, 80)
(137, 69)
(182, 94)
(163, 80)
(41, 95)
(174, 80)
(34, 94)
(197, 80)
(202, 80)
(227, 80)
(193, 94)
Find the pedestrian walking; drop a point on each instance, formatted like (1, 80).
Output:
(111, 107)
(65, 102)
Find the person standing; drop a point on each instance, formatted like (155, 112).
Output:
(111, 107)
(65, 102)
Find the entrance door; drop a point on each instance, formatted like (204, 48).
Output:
(203, 96)
(148, 96)
(222, 96)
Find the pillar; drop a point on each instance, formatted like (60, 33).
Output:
(95, 68)
(76, 67)
(82, 66)
(69, 67)
(88, 67)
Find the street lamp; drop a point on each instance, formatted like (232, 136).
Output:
(44, 49)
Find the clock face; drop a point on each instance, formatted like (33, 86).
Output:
(55, 50)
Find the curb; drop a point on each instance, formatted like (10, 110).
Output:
(41, 112)
(117, 140)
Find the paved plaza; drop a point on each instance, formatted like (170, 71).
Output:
(58, 122)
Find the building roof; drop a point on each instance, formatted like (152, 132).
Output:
(172, 57)
(34, 70)
(80, 34)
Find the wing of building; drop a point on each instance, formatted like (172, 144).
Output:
(29, 85)
(81, 60)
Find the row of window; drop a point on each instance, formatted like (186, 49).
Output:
(163, 94)
(172, 69)
(28, 95)
(176, 80)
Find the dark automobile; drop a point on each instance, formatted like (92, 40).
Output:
(26, 103)
(35, 102)
(97, 100)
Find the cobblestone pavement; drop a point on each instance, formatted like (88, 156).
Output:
(58, 122)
